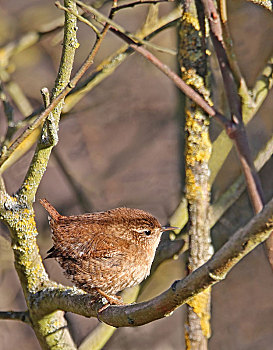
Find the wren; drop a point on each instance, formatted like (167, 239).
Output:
(105, 252)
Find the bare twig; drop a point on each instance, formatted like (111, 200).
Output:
(140, 2)
(236, 189)
(263, 84)
(15, 315)
(26, 41)
(41, 118)
(222, 145)
(101, 72)
(98, 337)
(51, 329)
(83, 200)
(101, 19)
(108, 66)
(8, 110)
(237, 133)
(193, 95)
(79, 17)
(240, 81)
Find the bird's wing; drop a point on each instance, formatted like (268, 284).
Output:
(84, 246)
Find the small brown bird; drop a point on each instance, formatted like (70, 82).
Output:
(105, 252)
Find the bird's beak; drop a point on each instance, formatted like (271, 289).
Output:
(170, 228)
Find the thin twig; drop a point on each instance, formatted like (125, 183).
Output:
(189, 92)
(99, 74)
(240, 81)
(237, 133)
(79, 17)
(41, 118)
(26, 41)
(263, 84)
(15, 315)
(110, 64)
(101, 19)
(197, 98)
(236, 189)
(83, 200)
(8, 111)
(140, 2)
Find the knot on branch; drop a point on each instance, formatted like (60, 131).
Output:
(11, 204)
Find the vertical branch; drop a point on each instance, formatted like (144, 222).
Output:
(49, 136)
(193, 63)
(17, 211)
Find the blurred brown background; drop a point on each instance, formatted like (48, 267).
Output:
(121, 145)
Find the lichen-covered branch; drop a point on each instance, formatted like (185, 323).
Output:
(58, 95)
(194, 71)
(17, 212)
(264, 3)
(38, 166)
(107, 67)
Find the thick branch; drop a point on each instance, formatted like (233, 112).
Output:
(194, 71)
(215, 270)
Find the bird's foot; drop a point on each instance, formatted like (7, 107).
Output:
(111, 300)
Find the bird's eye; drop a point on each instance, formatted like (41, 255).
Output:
(147, 232)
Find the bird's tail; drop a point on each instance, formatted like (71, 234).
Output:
(50, 209)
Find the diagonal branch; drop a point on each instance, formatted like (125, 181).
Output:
(56, 100)
(214, 271)
(109, 65)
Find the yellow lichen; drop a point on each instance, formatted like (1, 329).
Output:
(200, 305)
(190, 19)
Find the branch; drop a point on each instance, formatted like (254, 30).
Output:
(237, 133)
(214, 271)
(79, 17)
(98, 337)
(240, 81)
(264, 3)
(16, 316)
(223, 145)
(58, 96)
(109, 65)
(100, 73)
(17, 211)
(193, 64)
(180, 215)
(82, 198)
(140, 2)
(263, 84)
(101, 19)
(8, 111)
(26, 41)
(191, 93)
(237, 188)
